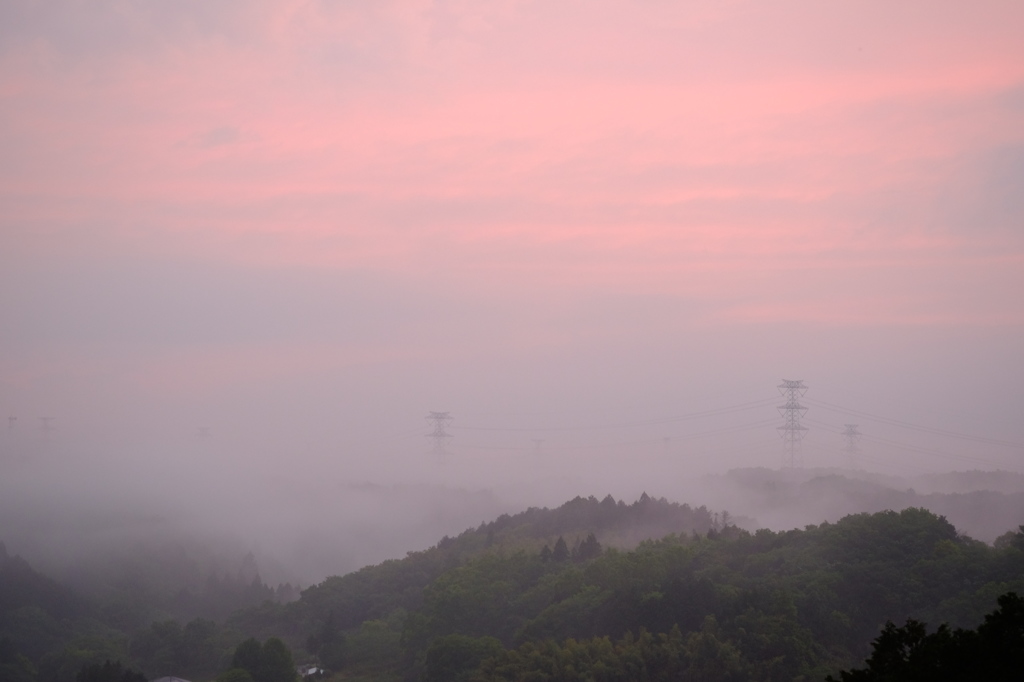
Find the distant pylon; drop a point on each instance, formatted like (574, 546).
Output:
(10, 423)
(852, 449)
(537, 442)
(792, 431)
(439, 434)
(45, 424)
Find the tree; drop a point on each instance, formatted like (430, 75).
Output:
(235, 675)
(108, 672)
(995, 652)
(1002, 639)
(1011, 538)
(276, 663)
(588, 549)
(328, 644)
(561, 551)
(268, 662)
(452, 658)
(14, 667)
(158, 648)
(248, 656)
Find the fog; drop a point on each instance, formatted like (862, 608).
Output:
(319, 477)
(246, 248)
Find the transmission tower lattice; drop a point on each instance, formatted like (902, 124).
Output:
(792, 431)
(439, 434)
(852, 449)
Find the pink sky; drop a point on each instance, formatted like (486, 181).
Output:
(199, 198)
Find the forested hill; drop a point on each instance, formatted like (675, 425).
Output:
(547, 595)
(376, 591)
(619, 524)
(21, 586)
(37, 616)
(798, 604)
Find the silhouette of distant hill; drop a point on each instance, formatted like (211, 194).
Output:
(793, 498)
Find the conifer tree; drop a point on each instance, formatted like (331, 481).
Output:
(561, 551)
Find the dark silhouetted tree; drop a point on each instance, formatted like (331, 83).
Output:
(276, 663)
(561, 551)
(248, 656)
(270, 662)
(994, 653)
(588, 549)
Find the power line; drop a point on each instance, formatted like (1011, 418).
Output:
(915, 427)
(624, 425)
(926, 451)
(905, 446)
(852, 450)
(439, 434)
(645, 441)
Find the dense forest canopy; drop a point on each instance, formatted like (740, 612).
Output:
(593, 585)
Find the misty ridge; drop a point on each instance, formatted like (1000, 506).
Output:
(95, 520)
(172, 601)
(292, 534)
(178, 562)
(431, 341)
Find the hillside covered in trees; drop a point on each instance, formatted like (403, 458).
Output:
(595, 589)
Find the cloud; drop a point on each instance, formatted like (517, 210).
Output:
(478, 173)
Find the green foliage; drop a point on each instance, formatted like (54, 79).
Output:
(496, 602)
(248, 655)
(561, 550)
(14, 667)
(666, 657)
(167, 648)
(1011, 538)
(21, 587)
(34, 632)
(87, 649)
(108, 672)
(268, 662)
(588, 549)
(767, 606)
(235, 675)
(376, 640)
(453, 658)
(995, 652)
(328, 644)
(276, 664)
(39, 619)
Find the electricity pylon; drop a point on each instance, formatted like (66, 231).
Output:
(852, 449)
(792, 431)
(439, 434)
